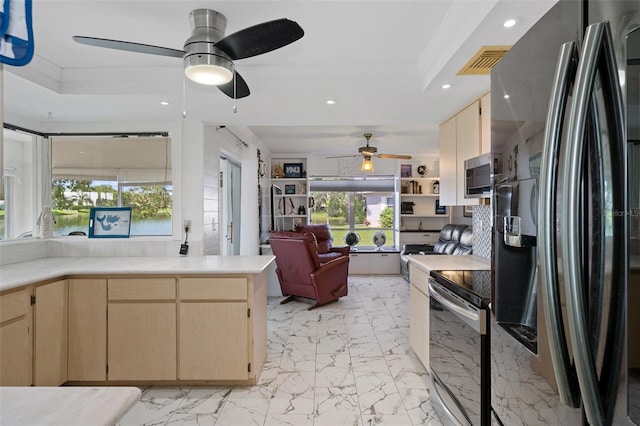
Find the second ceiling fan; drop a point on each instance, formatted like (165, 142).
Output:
(208, 55)
(368, 152)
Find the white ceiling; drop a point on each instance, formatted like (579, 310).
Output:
(383, 61)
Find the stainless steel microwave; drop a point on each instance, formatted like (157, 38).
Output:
(478, 174)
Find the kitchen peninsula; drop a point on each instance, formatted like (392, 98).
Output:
(133, 320)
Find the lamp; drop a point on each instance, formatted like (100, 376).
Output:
(209, 69)
(367, 164)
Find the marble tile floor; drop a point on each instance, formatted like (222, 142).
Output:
(346, 363)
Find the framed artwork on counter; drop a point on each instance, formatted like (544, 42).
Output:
(109, 222)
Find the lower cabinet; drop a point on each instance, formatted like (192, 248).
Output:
(419, 314)
(87, 330)
(373, 263)
(141, 329)
(15, 338)
(145, 329)
(203, 329)
(50, 327)
(214, 329)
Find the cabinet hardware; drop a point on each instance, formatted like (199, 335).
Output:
(33, 299)
(249, 368)
(248, 312)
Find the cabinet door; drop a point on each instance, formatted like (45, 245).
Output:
(50, 326)
(15, 339)
(142, 341)
(468, 145)
(416, 325)
(214, 342)
(384, 263)
(419, 324)
(448, 164)
(424, 299)
(87, 329)
(358, 264)
(485, 123)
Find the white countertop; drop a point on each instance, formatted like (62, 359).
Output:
(23, 273)
(443, 262)
(70, 406)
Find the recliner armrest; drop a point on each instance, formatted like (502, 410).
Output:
(345, 250)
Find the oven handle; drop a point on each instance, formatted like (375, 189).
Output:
(452, 304)
(435, 384)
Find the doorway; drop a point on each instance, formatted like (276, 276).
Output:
(230, 206)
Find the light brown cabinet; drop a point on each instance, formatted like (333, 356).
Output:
(463, 136)
(137, 329)
(214, 329)
(419, 313)
(50, 339)
(15, 338)
(87, 329)
(141, 329)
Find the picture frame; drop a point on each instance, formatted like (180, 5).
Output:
(109, 222)
(289, 189)
(293, 170)
(405, 170)
(440, 209)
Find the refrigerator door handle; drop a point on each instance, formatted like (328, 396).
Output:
(597, 54)
(547, 251)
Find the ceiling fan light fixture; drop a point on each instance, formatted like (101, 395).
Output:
(367, 164)
(211, 70)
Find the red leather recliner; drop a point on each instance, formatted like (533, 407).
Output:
(301, 272)
(324, 242)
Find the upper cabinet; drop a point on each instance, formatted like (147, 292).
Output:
(465, 135)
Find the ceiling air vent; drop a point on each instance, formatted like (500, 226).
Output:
(484, 60)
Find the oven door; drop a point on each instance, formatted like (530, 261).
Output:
(457, 358)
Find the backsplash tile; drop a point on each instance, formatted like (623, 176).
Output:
(482, 231)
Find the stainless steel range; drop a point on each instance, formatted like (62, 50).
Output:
(459, 346)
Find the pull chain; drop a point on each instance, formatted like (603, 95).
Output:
(184, 96)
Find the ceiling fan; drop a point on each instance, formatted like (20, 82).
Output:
(368, 152)
(208, 55)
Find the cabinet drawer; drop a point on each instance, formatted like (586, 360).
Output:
(213, 288)
(419, 279)
(419, 237)
(13, 305)
(141, 289)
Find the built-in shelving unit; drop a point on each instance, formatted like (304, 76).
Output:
(289, 193)
(424, 194)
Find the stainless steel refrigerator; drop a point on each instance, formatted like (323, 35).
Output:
(565, 319)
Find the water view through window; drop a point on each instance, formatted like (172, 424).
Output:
(73, 199)
(112, 172)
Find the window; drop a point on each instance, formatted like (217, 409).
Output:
(112, 172)
(18, 201)
(362, 205)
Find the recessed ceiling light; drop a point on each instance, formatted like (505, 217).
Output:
(446, 86)
(331, 102)
(506, 96)
(509, 23)
(164, 103)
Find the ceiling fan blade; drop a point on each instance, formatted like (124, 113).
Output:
(343, 156)
(261, 38)
(240, 91)
(401, 157)
(129, 46)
